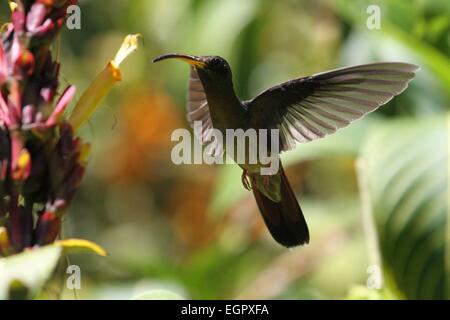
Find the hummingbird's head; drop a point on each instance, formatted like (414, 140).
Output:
(215, 67)
(209, 68)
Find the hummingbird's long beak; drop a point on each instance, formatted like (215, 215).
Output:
(192, 60)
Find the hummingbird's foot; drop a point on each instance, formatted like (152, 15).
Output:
(246, 181)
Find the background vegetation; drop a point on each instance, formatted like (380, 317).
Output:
(375, 192)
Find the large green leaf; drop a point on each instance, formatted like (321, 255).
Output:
(406, 166)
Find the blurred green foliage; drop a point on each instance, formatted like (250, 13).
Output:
(194, 230)
(410, 203)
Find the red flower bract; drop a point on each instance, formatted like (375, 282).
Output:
(41, 161)
(3, 66)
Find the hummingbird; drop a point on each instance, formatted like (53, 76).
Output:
(303, 109)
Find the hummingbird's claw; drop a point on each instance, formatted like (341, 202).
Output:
(246, 181)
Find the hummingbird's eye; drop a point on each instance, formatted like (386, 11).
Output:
(215, 62)
(218, 65)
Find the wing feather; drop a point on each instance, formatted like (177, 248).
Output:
(198, 111)
(310, 108)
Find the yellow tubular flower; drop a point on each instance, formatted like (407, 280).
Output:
(102, 84)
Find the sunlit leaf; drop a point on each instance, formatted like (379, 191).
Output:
(23, 275)
(364, 293)
(435, 60)
(397, 19)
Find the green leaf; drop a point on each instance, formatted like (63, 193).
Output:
(397, 20)
(364, 293)
(159, 295)
(407, 172)
(434, 59)
(23, 275)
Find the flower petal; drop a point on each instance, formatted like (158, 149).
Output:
(3, 66)
(36, 17)
(61, 106)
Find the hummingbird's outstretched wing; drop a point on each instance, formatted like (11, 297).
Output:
(198, 111)
(310, 108)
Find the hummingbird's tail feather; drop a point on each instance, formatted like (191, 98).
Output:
(284, 219)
